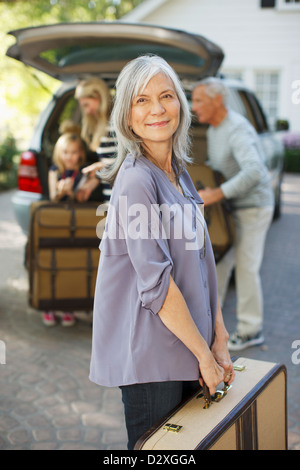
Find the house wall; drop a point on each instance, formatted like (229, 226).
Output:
(254, 39)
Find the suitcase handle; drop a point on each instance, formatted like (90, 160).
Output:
(216, 397)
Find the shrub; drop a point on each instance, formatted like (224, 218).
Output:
(292, 153)
(8, 162)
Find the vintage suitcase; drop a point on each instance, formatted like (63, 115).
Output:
(251, 415)
(218, 217)
(62, 255)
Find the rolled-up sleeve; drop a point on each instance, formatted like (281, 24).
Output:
(148, 248)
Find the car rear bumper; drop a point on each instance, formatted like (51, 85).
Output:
(22, 201)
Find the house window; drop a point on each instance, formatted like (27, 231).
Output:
(267, 3)
(267, 90)
(288, 5)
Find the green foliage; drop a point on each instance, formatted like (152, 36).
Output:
(292, 152)
(21, 95)
(8, 162)
(8, 149)
(292, 160)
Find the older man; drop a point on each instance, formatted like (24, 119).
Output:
(234, 150)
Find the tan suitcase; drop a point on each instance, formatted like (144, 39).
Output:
(62, 255)
(63, 224)
(251, 415)
(218, 217)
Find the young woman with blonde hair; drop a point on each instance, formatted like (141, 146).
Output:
(94, 99)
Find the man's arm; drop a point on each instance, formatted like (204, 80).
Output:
(211, 195)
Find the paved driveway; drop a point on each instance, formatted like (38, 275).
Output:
(46, 399)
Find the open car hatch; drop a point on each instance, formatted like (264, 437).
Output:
(70, 50)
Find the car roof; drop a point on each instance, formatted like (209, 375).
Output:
(70, 50)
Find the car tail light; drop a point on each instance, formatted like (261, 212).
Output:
(28, 178)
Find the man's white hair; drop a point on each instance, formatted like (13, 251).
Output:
(213, 87)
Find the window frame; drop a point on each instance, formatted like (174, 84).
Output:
(283, 5)
(267, 101)
(267, 3)
(259, 116)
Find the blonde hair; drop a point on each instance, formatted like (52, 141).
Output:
(134, 77)
(93, 127)
(62, 143)
(69, 126)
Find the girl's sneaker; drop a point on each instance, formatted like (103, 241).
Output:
(49, 318)
(68, 319)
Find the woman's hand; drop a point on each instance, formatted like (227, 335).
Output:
(85, 190)
(211, 372)
(219, 348)
(221, 354)
(97, 166)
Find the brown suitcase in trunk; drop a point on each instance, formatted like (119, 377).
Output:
(251, 415)
(62, 255)
(218, 217)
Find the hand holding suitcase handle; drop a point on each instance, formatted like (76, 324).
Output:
(216, 396)
(219, 394)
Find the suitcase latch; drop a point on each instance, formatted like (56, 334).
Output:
(239, 367)
(172, 427)
(220, 394)
(216, 397)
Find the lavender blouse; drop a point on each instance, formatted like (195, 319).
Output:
(151, 232)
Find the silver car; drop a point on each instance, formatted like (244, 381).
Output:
(70, 52)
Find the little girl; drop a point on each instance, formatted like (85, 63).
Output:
(64, 176)
(68, 159)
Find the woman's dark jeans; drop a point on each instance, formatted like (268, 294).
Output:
(145, 404)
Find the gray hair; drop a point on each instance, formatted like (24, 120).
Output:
(213, 87)
(133, 78)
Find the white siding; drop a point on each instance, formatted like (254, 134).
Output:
(253, 39)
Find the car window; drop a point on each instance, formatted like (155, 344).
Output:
(66, 108)
(70, 111)
(258, 113)
(234, 102)
(248, 109)
(246, 104)
(114, 50)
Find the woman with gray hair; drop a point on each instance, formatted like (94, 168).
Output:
(157, 325)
